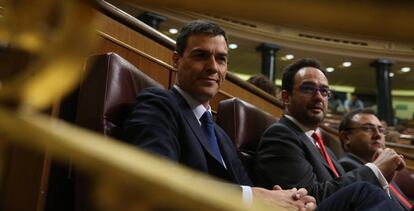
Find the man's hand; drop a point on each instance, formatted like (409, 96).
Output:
(388, 162)
(293, 198)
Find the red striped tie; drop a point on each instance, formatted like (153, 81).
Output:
(323, 151)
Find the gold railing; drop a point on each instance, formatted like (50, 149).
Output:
(128, 179)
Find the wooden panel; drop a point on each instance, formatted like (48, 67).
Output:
(133, 38)
(403, 148)
(25, 180)
(247, 96)
(154, 70)
(410, 164)
(219, 97)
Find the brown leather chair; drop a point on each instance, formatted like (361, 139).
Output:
(405, 181)
(106, 94)
(104, 100)
(245, 124)
(332, 142)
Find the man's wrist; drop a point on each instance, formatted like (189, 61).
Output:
(381, 179)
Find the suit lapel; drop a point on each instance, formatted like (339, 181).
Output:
(305, 139)
(193, 122)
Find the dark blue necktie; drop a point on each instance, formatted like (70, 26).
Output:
(208, 128)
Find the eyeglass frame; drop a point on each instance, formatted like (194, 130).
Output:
(370, 129)
(323, 90)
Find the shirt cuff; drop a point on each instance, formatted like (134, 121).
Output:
(381, 179)
(247, 195)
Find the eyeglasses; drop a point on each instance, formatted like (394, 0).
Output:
(311, 90)
(370, 129)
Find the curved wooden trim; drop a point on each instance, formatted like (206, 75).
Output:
(133, 23)
(397, 145)
(147, 56)
(225, 93)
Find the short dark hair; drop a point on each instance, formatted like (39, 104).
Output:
(264, 83)
(346, 121)
(291, 70)
(197, 27)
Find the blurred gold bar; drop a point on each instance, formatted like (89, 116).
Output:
(129, 179)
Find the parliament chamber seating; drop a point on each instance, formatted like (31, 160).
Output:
(107, 92)
(405, 181)
(101, 104)
(245, 124)
(332, 142)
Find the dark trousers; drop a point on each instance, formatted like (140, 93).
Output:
(359, 196)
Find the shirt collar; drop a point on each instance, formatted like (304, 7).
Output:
(308, 132)
(197, 108)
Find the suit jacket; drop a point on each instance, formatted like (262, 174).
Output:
(163, 123)
(350, 161)
(286, 157)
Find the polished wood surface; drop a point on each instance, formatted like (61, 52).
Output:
(26, 177)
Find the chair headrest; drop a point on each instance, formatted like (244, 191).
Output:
(243, 122)
(108, 91)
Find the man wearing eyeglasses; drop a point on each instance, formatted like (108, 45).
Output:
(291, 153)
(362, 135)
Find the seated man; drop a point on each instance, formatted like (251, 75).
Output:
(291, 153)
(177, 124)
(353, 104)
(362, 135)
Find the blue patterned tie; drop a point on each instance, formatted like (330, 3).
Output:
(208, 128)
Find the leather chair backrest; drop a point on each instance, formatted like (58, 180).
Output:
(106, 94)
(245, 124)
(332, 142)
(405, 181)
(103, 103)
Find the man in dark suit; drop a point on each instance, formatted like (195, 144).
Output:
(177, 123)
(291, 152)
(362, 134)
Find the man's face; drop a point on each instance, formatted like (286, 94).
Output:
(363, 137)
(308, 108)
(203, 66)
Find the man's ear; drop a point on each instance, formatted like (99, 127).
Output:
(175, 59)
(344, 138)
(285, 97)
